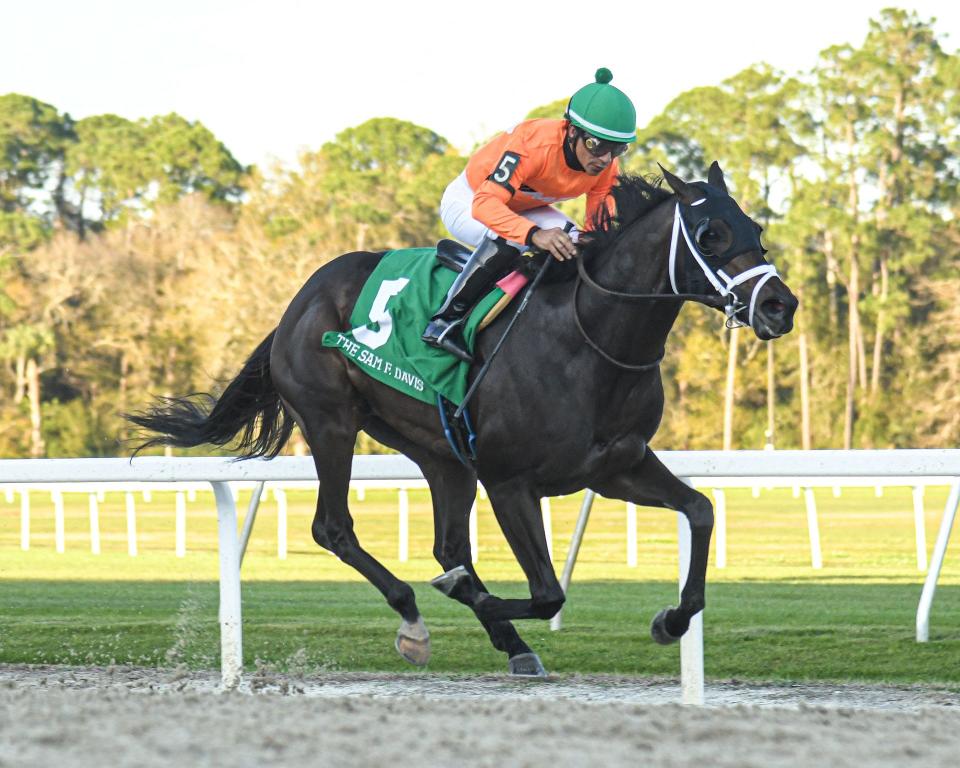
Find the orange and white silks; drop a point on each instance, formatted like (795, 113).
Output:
(525, 168)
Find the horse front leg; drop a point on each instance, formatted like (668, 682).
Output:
(651, 484)
(517, 509)
(453, 488)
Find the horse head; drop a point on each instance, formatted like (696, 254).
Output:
(724, 252)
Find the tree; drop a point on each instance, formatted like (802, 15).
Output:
(25, 346)
(33, 136)
(109, 168)
(905, 157)
(748, 124)
(188, 158)
(552, 111)
(880, 137)
(379, 179)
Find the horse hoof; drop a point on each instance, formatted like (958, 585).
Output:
(413, 642)
(447, 582)
(527, 665)
(658, 628)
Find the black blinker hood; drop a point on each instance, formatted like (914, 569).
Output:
(717, 205)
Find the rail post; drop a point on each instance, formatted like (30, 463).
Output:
(939, 550)
(919, 524)
(813, 529)
(473, 535)
(25, 519)
(691, 644)
(575, 541)
(180, 526)
(403, 532)
(94, 507)
(231, 643)
(58, 515)
(720, 508)
(547, 515)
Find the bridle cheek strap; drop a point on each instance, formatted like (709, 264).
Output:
(721, 282)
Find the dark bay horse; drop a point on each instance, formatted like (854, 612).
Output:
(571, 402)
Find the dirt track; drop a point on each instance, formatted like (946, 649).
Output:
(121, 716)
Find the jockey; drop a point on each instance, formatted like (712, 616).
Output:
(501, 202)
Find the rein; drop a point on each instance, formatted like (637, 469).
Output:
(583, 277)
(725, 298)
(709, 300)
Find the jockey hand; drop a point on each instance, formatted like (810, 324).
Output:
(556, 241)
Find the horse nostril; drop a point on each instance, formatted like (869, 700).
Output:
(774, 308)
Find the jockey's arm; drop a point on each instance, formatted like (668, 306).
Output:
(490, 199)
(490, 209)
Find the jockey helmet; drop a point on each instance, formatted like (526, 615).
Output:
(603, 110)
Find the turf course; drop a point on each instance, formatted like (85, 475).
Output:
(770, 616)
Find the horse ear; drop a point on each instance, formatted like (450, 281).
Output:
(686, 192)
(715, 177)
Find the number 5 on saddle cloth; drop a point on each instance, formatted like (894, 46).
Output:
(394, 306)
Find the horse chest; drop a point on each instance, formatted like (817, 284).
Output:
(628, 413)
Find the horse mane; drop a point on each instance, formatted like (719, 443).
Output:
(634, 197)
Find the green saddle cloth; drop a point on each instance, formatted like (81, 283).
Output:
(393, 308)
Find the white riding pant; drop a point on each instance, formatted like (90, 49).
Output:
(456, 207)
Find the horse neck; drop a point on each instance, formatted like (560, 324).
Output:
(634, 330)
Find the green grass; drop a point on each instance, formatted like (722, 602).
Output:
(769, 616)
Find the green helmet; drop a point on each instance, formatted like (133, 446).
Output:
(603, 110)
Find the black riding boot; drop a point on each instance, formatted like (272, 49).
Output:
(492, 260)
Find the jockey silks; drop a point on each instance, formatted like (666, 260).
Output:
(525, 168)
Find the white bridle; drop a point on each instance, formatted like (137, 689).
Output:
(720, 280)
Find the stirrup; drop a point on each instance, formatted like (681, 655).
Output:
(449, 339)
(459, 432)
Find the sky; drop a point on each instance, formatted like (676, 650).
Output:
(273, 78)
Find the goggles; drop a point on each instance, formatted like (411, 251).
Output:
(600, 147)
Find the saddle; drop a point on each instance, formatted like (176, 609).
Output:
(454, 256)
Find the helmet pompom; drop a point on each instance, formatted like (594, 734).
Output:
(604, 75)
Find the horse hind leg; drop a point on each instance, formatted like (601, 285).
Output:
(331, 438)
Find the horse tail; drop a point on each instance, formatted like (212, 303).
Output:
(249, 406)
